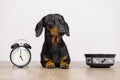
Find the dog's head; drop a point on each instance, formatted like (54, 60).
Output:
(54, 23)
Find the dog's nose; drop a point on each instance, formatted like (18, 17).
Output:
(61, 31)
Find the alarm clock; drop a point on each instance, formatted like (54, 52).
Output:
(20, 56)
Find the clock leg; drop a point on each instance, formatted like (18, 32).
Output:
(13, 66)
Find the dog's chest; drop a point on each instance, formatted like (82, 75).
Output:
(55, 55)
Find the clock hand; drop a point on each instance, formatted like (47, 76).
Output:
(20, 55)
(20, 52)
(21, 58)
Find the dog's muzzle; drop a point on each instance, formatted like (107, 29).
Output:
(61, 31)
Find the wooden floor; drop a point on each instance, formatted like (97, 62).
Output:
(77, 71)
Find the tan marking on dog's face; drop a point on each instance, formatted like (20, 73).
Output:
(53, 19)
(53, 31)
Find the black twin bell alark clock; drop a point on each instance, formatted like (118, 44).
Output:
(20, 55)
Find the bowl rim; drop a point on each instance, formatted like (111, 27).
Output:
(100, 55)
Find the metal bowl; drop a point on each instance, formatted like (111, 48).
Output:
(100, 60)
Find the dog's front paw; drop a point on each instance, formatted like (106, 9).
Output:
(50, 65)
(64, 65)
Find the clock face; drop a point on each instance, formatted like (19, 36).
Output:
(20, 56)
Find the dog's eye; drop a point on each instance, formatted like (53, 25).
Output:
(53, 19)
(60, 18)
(61, 21)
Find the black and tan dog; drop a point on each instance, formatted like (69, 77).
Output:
(54, 52)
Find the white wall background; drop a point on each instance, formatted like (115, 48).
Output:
(94, 25)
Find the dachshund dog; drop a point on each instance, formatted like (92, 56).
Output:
(54, 51)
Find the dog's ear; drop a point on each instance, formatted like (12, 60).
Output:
(66, 29)
(39, 27)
